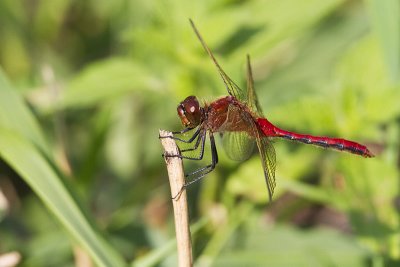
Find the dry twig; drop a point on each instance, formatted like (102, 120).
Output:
(179, 200)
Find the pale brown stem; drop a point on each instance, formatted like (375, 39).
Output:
(179, 200)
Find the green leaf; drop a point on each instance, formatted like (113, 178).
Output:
(385, 16)
(104, 80)
(264, 245)
(21, 150)
(366, 81)
(16, 116)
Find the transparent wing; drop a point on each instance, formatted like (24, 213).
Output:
(230, 85)
(265, 147)
(267, 154)
(239, 144)
(240, 138)
(252, 100)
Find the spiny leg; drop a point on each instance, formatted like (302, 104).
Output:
(190, 140)
(196, 145)
(182, 132)
(204, 170)
(207, 169)
(200, 141)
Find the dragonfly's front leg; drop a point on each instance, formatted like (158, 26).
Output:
(190, 140)
(201, 135)
(209, 168)
(200, 173)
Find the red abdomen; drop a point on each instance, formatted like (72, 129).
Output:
(271, 130)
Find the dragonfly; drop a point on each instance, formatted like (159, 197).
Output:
(239, 119)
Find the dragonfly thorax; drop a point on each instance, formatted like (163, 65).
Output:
(190, 112)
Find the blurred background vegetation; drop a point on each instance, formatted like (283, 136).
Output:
(85, 86)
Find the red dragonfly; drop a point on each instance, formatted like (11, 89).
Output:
(238, 117)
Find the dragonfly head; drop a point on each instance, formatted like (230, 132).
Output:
(190, 112)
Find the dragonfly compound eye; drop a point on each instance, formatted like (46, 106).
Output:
(189, 112)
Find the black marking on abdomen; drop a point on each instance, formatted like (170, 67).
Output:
(321, 143)
(338, 146)
(304, 140)
(288, 136)
(355, 150)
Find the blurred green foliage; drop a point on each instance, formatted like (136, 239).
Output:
(85, 86)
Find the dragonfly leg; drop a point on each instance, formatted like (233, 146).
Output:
(196, 145)
(204, 170)
(200, 141)
(207, 169)
(182, 132)
(194, 136)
